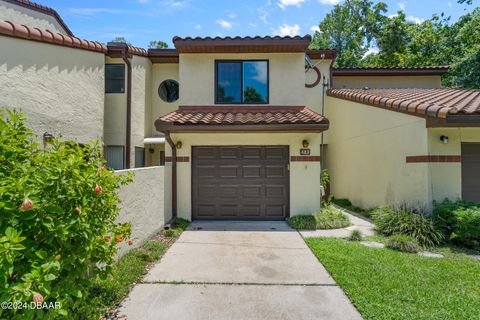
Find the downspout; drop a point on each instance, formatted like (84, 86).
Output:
(128, 138)
(174, 176)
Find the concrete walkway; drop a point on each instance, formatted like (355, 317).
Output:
(358, 223)
(238, 270)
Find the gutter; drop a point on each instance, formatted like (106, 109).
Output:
(168, 138)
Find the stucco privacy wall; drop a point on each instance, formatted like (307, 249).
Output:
(446, 178)
(286, 77)
(32, 18)
(60, 89)
(387, 82)
(366, 155)
(142, 204)
(304, 176)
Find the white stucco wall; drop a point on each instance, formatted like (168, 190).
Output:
(142, 204)
(304, 176)
(60, 89)
(366, 155)
(160, 73)
(32, 18)
(286, 77)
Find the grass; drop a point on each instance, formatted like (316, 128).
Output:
(346, 204)
(129, 269)
(328, 218)
(388, 284)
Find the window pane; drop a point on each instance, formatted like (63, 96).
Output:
(114, 157)
(114, 78)
(139, 157)
(229, 80)
(255, 82)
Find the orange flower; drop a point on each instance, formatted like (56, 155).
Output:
(98, 189)
(106, 238)
(119, 238)
(130, 242)
(27, 205)
(37, 297)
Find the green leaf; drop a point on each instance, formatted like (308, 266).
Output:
(63, 312)
(10, 233)
(50, 277)
(41, 254)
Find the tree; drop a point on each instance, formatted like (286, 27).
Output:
(154, 44)
(350, 27)
(120, 40)
(251, 95)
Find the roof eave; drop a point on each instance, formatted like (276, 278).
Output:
(162, 126)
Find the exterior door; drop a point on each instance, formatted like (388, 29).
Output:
(240, 182)
(471, 171)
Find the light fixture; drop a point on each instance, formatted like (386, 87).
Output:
(179, 145)
(305, 143)
(444, 139)
(47, 138)
(151, 150)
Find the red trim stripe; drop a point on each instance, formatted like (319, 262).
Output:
(434, 159)
(305, 158)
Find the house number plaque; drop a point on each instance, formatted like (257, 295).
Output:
(304, 152)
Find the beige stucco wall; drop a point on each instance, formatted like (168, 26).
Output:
(304, 176)
(60, 89)
(367, 153)
(32, 18)
(446, 177)
(387, 81)
(116, 106)
(286, 77)
(160, 73)
(142, 204)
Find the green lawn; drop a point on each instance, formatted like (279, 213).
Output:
(386, 284)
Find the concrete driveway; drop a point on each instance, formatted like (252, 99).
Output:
(238, 270)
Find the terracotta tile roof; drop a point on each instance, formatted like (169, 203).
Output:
(389, 71)
(438, 102)
(242, 116)
(163, 55)
(15, 30)
(241, 44)
(43, 9)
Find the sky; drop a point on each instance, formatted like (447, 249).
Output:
(140, 21)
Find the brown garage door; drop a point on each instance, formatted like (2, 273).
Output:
(240, 182)
(471, 171)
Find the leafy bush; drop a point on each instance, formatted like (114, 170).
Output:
(57, 225)
(328, 218)
(356, 235)
(302, 222)
(459, 221)
(402, 242)
(406, 221)
(347, 204)
(169, 233)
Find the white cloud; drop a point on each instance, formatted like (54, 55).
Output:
(416, 20)
(263, 15)
(329, 2)
(224, 24)
(252, 25)
(176, 4)
(402, 5)
(94, 11)
(261, 73)
(142, 1)
(449, 4)
(232, 15)
(198, 27)
(315, 28)
(287, 30)
(285, 3)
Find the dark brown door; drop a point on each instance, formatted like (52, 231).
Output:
(471, 171)
(240, 182)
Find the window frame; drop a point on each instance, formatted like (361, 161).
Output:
(241, 82)
(124, 76)
(142, 150)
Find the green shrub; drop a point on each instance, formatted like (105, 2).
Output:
(402, 242)
(467, 227)
(459, 221)
(356, 235)
(57, 224)
(331, 218)
(303, 222)
(346, 204)
(169, 233)
(328, 218)
(406, 221)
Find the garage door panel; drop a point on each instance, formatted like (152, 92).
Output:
(240, 182)
(471, 171)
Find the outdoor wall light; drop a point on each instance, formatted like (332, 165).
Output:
(47, 137)
(179, 145)
(305, 143)
(444, 139)
(151, 150)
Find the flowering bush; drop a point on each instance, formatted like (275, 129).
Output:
(58, 207)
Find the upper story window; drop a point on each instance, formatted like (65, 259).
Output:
(114, 78)
(241, 81)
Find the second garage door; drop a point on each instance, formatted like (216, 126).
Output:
(240, 182)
